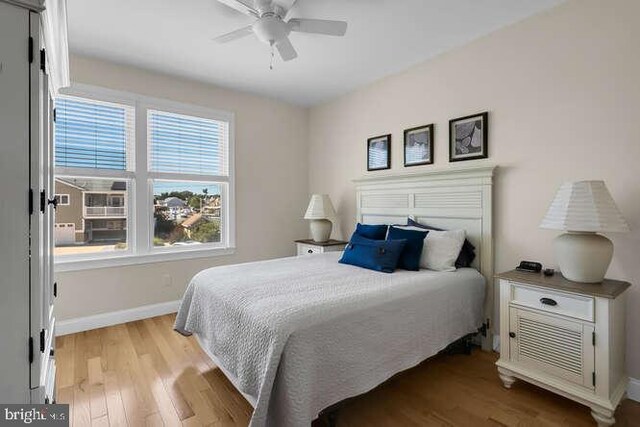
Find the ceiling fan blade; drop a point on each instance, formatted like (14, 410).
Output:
(234, 35)
(243, 6)
(319, 26)
(286, 49)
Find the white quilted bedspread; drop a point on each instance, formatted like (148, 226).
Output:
(300, 334)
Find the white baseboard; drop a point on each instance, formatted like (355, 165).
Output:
(96, 321)
(633, 389)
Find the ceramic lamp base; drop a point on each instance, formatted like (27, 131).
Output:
(320, 230)
(583, 257)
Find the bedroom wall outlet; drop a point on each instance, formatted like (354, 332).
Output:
(166, 280)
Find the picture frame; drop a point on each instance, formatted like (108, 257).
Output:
(379, 153)
(418, 146)
(469, 137)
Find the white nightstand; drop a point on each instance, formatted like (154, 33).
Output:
(566, 337)
(308, 246)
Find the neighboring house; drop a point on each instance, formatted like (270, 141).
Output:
(189, 223)
(88, 212)
(174, 205)
(212, 207)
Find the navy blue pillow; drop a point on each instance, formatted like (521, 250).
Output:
(379, 255)
(467, 253)
(375, 232)
(410, 256)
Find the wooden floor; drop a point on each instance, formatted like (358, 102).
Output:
(143, 373)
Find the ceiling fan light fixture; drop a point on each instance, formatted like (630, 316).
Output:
(270, 29)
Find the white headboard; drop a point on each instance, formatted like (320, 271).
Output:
(444, 198)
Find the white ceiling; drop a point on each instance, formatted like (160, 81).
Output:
(384, 37)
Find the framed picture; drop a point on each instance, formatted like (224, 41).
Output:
(418, 146)
(468, 137)
(379, 153)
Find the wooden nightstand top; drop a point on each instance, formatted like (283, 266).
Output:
(607, 289)
(327, 243)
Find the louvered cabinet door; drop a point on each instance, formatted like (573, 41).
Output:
(553, 345)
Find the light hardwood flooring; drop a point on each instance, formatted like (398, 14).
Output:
(142, 373)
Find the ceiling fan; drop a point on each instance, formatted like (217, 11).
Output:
(272, 29)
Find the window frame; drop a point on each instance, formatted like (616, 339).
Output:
(59, 197)
(140, 249)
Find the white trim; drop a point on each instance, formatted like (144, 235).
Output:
(633, 389)
(77, 264)
(80, 324)
(54, 23)
(496, 343)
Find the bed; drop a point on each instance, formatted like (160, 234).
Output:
(297, 335)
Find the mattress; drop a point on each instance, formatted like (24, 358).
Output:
(297, 335)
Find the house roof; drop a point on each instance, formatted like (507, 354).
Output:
(192, 220)
(174, 202)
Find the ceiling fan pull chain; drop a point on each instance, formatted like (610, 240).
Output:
(271, 62)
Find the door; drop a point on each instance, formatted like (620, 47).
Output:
(40, 231)
(552, 345)
(14, 208)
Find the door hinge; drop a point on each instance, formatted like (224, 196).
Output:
(30, 350)
(30, 50)
(55, 115)
(55, 289)
(43, 201)
(593, 338)
(42, 340)
(30, 201)
(593, 378)
(43, 61)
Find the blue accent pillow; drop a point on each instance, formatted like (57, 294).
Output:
(410, 256)
(375, 232)
(379, 255)
(467, 253)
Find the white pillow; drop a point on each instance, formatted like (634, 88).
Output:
(441, 248)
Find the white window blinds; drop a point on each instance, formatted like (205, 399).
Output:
(93, 134)
(187, 145)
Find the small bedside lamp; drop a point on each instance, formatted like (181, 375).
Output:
(319, 211)
(582, 209)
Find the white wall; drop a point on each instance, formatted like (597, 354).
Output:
(563, 93)
(271, 190)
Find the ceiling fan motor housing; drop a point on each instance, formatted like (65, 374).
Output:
(270, 29)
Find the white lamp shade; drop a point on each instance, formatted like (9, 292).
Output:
(584, 206)
(320, 207)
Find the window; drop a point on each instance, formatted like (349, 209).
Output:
(188, 157)
(138, 177)
(62, 199)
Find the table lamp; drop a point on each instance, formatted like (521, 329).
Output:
(319, 211)
(583, 209)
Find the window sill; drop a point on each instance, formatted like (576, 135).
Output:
(62, 266)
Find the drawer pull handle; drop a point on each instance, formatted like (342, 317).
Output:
(310, 251)
(548, 301)
(512, 334)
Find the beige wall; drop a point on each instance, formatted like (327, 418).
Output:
(563, 93)
(271, 190)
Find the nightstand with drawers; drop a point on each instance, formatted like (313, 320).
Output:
(309, 246)
(566, 337)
